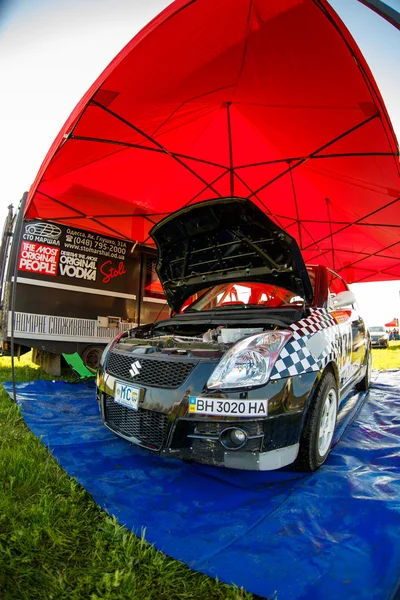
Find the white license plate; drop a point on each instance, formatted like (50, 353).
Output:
(228, 408)
(127, 395)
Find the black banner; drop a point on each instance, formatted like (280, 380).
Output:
(59, 254)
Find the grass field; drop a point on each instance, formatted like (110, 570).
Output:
(389, 358)
(56, 544)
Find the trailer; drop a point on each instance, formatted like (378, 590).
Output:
(74, 290)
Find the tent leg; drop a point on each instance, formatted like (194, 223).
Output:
(16, 245)
(330, 229)
(231, 171)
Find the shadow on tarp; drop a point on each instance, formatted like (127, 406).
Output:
(329, 535)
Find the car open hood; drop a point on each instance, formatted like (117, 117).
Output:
(225, 240)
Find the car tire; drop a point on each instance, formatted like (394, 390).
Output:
(321, 415)
(91, 357)
(365, 382)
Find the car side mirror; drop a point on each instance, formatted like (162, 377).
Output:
(346, 298)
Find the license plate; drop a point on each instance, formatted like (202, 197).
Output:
(127, 395)
(228, 408)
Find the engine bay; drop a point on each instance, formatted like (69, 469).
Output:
(206, 342)
(205, 334)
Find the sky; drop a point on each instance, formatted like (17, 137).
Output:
(51, 51)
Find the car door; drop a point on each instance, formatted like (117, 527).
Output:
(353, 333)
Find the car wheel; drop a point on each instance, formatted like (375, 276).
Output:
(365, 382)
(91, 357)
(319, 427)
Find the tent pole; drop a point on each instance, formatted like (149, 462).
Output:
(85, 138)
(194, 198)
(296, 208)
(79, 213)
(331, 234)
(16, 245)
(246, 185)
(317, 151)
(311, 157)
(383, 10)
(355, 262)
(231, 173)
(156, 143)
(358, 221)
(309, 234)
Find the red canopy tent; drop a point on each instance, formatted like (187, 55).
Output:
(271, 101)
(392, 323)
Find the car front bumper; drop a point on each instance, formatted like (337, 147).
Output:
(262, 461)
(163, 424)
(379, 342)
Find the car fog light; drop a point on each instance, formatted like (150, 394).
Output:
(233, 438)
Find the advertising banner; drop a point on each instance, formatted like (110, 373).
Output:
(58, 328)
(38, 258)
(66, 255)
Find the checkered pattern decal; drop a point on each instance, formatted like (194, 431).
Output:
(296, 358)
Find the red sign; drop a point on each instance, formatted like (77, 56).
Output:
(38, 258)
(110, 272)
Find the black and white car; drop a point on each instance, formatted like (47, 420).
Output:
(252, 367)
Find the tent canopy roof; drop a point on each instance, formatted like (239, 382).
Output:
(270, 101)
(393, 323)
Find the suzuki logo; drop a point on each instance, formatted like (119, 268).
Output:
(135, 368)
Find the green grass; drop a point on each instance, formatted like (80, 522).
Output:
(386, 358)
(56, 543)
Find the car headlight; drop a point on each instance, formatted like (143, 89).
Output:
(109, 346)
(105, 352)
(249, 362)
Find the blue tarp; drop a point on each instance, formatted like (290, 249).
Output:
(328, 535)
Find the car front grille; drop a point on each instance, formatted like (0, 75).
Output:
(147, 426)
(151, 372)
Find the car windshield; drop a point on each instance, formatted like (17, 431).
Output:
(245, 294)
(377, 329)
(242, 295)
